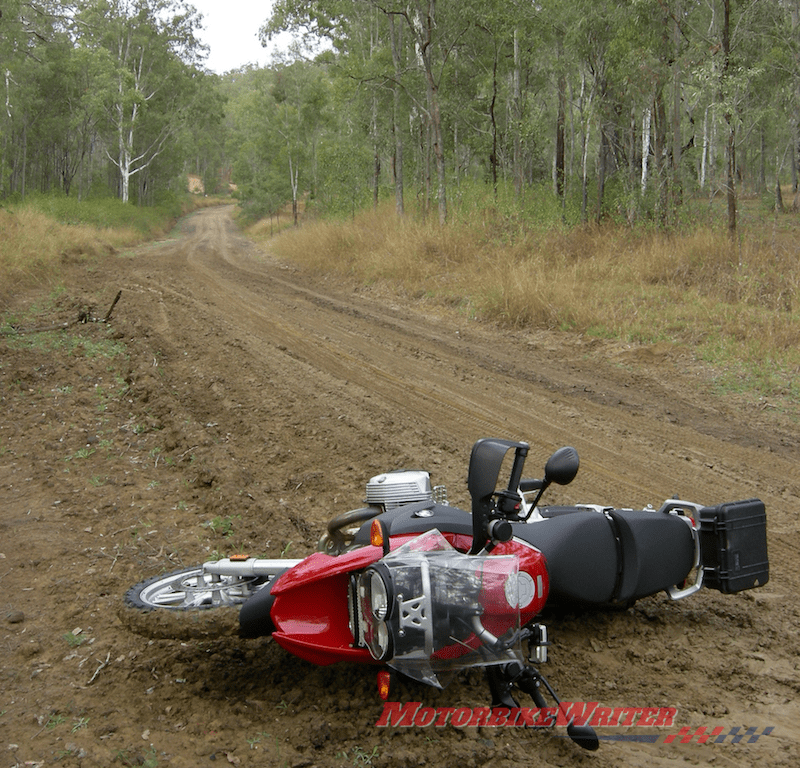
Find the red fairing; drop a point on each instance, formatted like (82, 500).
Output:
(310, 608)
(310, 611)
(531, 561)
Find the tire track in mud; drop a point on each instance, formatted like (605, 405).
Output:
(445, 383)
(463, 388)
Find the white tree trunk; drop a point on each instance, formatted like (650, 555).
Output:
(647, 117)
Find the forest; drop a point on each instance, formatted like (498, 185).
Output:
(564, 112)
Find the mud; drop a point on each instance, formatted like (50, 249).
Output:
(233, 404)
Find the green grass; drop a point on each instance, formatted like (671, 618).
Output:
(222, 526)
(66, 341)
(73, 640)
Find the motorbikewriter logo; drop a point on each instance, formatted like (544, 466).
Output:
(414, 714)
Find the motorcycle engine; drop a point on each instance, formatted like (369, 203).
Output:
(385, 492)
(393, 489)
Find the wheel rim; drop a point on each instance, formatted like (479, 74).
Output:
(196, 589)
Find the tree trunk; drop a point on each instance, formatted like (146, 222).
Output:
(516, 118)
(398, 139)
(376, 172)
(561, 119)
(659, 149)
(602, 168)
(677, 140)
(434, 112)
(705, 154)
(586, 120)
(436, 141)
(730, 147)
(293, 176)
(493, 118)
(645, 146)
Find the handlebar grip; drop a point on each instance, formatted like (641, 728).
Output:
(516, 468)
(530, 484)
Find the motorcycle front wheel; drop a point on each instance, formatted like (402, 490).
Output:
(188, 603)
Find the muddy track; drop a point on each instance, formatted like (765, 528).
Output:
(257, 403)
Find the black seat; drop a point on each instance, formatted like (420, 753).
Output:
(657, 552)
(581, 553)
(611, 558)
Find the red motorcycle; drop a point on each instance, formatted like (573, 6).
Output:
(427, 590)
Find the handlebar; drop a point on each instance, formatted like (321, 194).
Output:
(488, 504)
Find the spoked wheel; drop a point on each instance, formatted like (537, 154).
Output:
(188, 604)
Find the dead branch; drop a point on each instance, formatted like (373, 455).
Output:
(83, 317)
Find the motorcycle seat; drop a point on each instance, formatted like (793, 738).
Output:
(657, 551)
(613, 557)
(580, 551)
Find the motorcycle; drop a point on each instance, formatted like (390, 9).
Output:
(426, 589)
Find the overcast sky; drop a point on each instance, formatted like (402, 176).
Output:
(231, 30)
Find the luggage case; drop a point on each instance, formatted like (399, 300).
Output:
(733, 544)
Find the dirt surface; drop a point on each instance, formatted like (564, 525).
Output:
(232, 404)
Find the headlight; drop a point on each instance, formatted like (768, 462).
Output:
(379, 596)
(374, 607)
(379, 643)
(427, 610)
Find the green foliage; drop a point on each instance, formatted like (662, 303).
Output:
(106, 75)
(222, 526)
(108, 212)
(344, 180)
(73, 640)
(539, 208)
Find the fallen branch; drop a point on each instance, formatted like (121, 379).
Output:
(111, 308)
(83, 317)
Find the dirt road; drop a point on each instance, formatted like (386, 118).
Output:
(234, 404)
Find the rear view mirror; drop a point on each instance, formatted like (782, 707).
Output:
(562, 466)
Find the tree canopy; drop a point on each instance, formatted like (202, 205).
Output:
(101, 95)
(597, 108)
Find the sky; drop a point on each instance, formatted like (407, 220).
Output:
(231, 31)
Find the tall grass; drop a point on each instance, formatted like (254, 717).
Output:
(39, 235)
(736, 304)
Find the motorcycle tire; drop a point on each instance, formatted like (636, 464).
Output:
(187, 604)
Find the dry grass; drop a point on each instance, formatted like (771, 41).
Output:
(36, 242)
(736, 304)
(33, 246)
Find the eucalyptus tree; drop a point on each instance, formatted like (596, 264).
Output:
(299, 95)
(25, 29)
(432, 30)
(152, 53)
(743, 49)
(260, 181)
(62, 113)
(368, 72)
(200, 141)
(276, 118)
